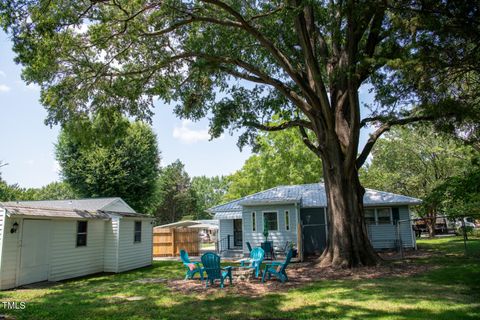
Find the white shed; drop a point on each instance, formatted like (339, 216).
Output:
(57, 240)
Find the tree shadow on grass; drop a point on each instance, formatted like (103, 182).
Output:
(448, 292)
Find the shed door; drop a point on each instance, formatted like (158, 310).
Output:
(314, 230)
(34, 251)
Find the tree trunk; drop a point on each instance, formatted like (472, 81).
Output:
(431, 222)
(348, 244)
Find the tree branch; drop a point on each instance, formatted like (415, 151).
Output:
(381, 130)
(306, 140)
(279, 56)
(288, 124)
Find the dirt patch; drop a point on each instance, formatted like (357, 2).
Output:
(300, 274)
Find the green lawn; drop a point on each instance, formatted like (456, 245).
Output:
(451, 290)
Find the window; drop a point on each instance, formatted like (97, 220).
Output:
(383, 216)
(270, 219)
(370, 216)
(81, 233)
(254, 221)
(137, 237)
(287, 220)
(378, 216)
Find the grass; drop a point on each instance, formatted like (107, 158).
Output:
(451, 290)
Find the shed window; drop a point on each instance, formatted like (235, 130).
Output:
(254, 221)
(287, 220)
(82, 233)
(137, 237)
(370, 216)
(378, 216)
(384, 216)
(271, 221)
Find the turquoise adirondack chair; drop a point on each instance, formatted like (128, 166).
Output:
(211, 265)
(255, 262)
(187, 263)
(277, 269)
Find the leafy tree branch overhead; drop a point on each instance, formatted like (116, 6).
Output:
(246, 63)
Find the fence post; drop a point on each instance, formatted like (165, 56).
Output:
(173, 242)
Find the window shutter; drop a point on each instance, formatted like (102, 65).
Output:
(395, 215)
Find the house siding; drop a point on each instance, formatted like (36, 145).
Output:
(110, 263)
(69, 261)
(279, 237)
(384, 236)
(9, 253)
(134, 255)
(225, 229)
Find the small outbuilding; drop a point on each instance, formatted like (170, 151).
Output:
(57, 240)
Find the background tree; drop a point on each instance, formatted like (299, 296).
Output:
(305, 62)
(210, 191)
(414, 161)
(281, 159)
(175, 198)
(459, 196)
(111, 157)
(54, 191)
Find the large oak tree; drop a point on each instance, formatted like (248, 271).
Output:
(242, 62)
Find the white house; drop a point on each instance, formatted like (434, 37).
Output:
(297, 214)
(57, 240)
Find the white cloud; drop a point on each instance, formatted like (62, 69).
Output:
(30, 162)
(4, 88)
(188, 135)
(3, 74)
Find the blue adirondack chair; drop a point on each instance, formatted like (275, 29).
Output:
(211, 265)
(187, 263)
(249, 246)
(256, 258)
(277, 269)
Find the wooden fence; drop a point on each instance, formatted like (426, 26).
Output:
(167, 242)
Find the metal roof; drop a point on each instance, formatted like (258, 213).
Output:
(92, 204)
(307, 195)
(190, 223)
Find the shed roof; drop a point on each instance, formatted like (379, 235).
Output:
(25, 210)
(21, 210)
(307, 195)
(92, 204)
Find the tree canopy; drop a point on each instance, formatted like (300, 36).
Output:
(414, 160)
(210, 191)
(111, 158)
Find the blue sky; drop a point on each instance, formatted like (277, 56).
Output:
(27, 144)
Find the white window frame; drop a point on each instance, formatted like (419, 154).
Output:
(82, 233)
(375, 215)
(287, 220)
(254, 221)
(391, 215)
(272, 211)
(139, 231)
